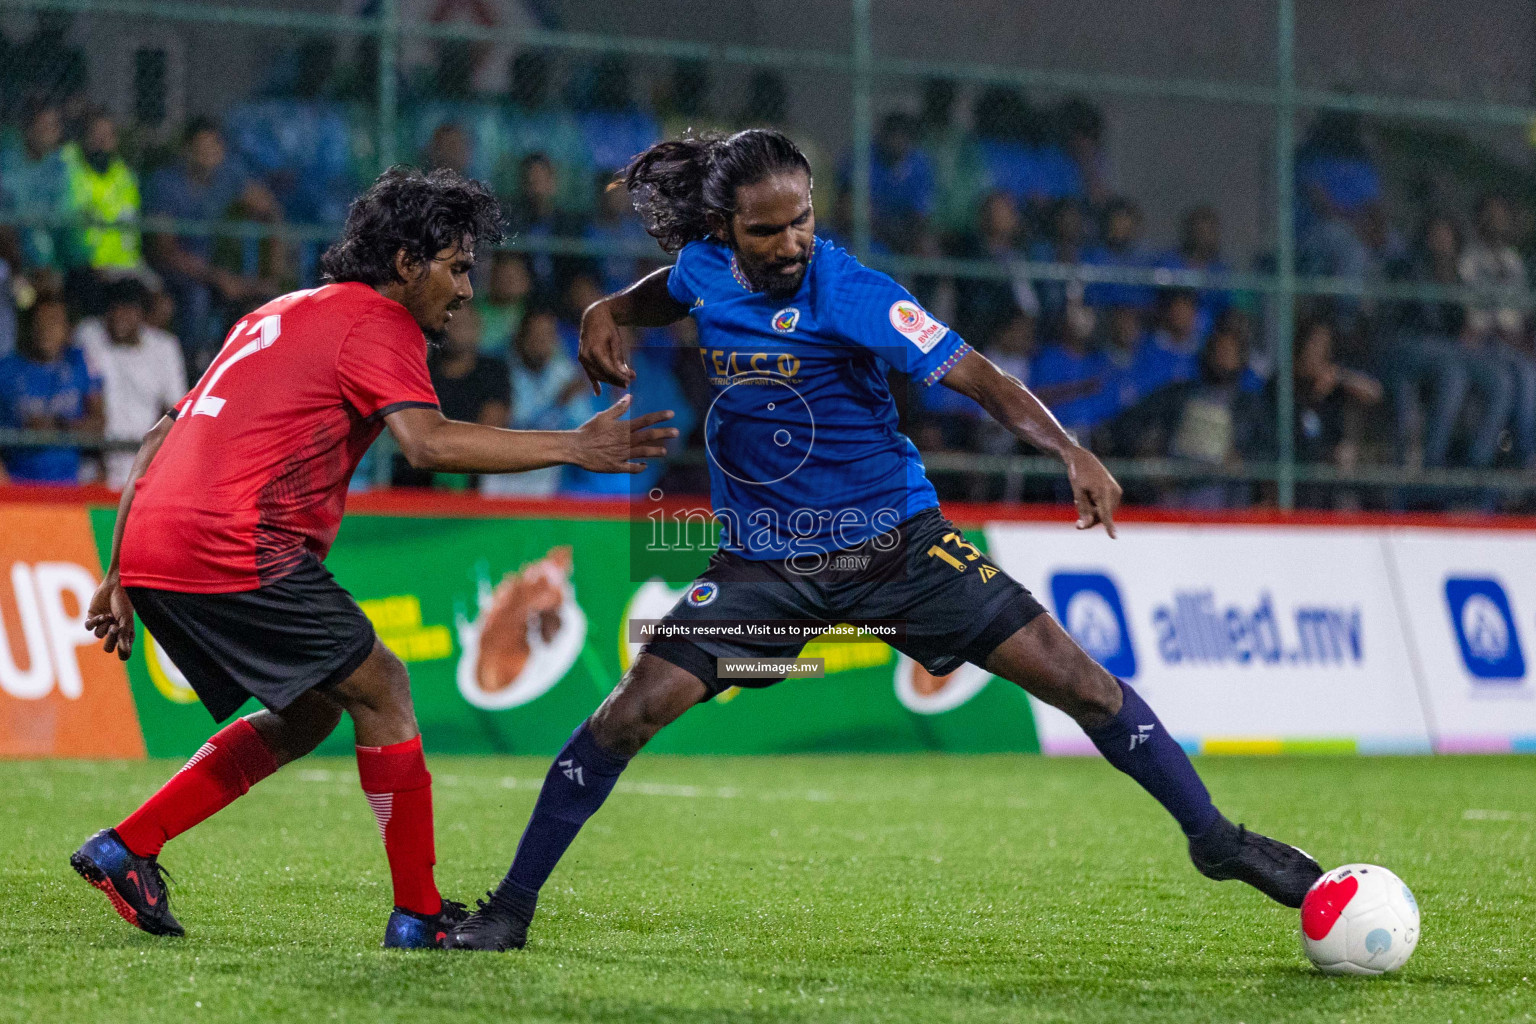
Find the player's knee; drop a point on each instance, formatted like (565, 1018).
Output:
(1095, 696)
(381, 686)
(627, 720)
(621, 726)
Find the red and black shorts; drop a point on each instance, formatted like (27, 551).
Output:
(274, 643)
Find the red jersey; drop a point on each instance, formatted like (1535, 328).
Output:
(254, 472)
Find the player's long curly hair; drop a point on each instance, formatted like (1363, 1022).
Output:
(407, 209)
(677, 185)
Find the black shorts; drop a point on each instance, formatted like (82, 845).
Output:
(274, 643)
(955, 605)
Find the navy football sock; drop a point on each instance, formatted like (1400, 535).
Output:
(577, 784)
(1135, 742)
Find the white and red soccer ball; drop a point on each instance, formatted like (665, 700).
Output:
(1359, 919)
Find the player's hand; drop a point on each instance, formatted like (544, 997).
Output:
(110, 617)
(1095, 492)
(606, 443)
(603, 351)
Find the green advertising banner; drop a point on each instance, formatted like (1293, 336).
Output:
(514, 630)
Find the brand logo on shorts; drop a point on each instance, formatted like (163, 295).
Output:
(915, 325)
(785, 319)
(1485, 629)
(702, 594)
(1088, 605)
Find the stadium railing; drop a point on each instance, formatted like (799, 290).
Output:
(1284, 99)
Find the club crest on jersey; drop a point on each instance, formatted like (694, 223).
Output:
(915, 325)
(703, 594)
(785, 319)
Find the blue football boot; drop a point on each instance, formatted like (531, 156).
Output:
(410, 930)
(134, 885)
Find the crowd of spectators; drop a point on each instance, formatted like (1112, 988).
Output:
(103, 319)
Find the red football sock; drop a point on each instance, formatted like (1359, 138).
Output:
(399, 789)
(226, 767)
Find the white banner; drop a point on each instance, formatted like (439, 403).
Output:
(1243, 638)
(1469, 597)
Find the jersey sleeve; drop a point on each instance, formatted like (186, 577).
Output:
(683, 282)
(874, 312)
(382, 367)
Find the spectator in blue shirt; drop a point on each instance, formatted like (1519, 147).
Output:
(982, 304)
(1336, 175)
(614, 127)
(532, 123)
(1082, 132)
(1125, 346)
(1120, 249)
(1073, 378)
(901, 184)
(1017, 152)
(535, 213)
(206, 185)
(1200, 249)
(46, 385)
(34, 182)
(1171, 352)
(1066, 245)
(1143, 363)
(1336, 181)
(1207, 420)
(617, 224)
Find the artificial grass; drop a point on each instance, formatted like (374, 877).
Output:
(924, 888)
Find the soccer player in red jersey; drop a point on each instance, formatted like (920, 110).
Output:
(232, 505)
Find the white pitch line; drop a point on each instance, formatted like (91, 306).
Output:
(662, 789)
(1480, 814)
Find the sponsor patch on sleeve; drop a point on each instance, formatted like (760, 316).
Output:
(913, 322)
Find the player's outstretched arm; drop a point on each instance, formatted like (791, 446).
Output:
(604, 353)
(1008, 401)
(110, 615)
(603, 444)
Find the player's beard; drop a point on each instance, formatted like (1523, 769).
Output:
(438, 335)
(767, 279)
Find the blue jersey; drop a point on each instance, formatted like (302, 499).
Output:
(60, 389)
(804, 451)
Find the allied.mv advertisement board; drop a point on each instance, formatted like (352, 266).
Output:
(513, 620)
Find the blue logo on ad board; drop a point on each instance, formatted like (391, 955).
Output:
(1485, 628)
(1088, 605)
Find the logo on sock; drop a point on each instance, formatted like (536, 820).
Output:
(1142, 734)
(572, 770)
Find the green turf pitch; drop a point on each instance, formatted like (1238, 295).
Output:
(906, 889)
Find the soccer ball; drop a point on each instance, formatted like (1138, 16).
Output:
(1359, 919)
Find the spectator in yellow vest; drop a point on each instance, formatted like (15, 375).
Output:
(103, 189)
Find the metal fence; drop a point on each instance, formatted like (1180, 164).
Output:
(864, 77)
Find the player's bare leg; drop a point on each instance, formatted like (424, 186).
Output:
(1048, 663)
(299, 728)
(652, 694)
(393, 773)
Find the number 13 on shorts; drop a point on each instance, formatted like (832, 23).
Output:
(969, 551)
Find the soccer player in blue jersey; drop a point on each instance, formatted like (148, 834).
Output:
(826, 514)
